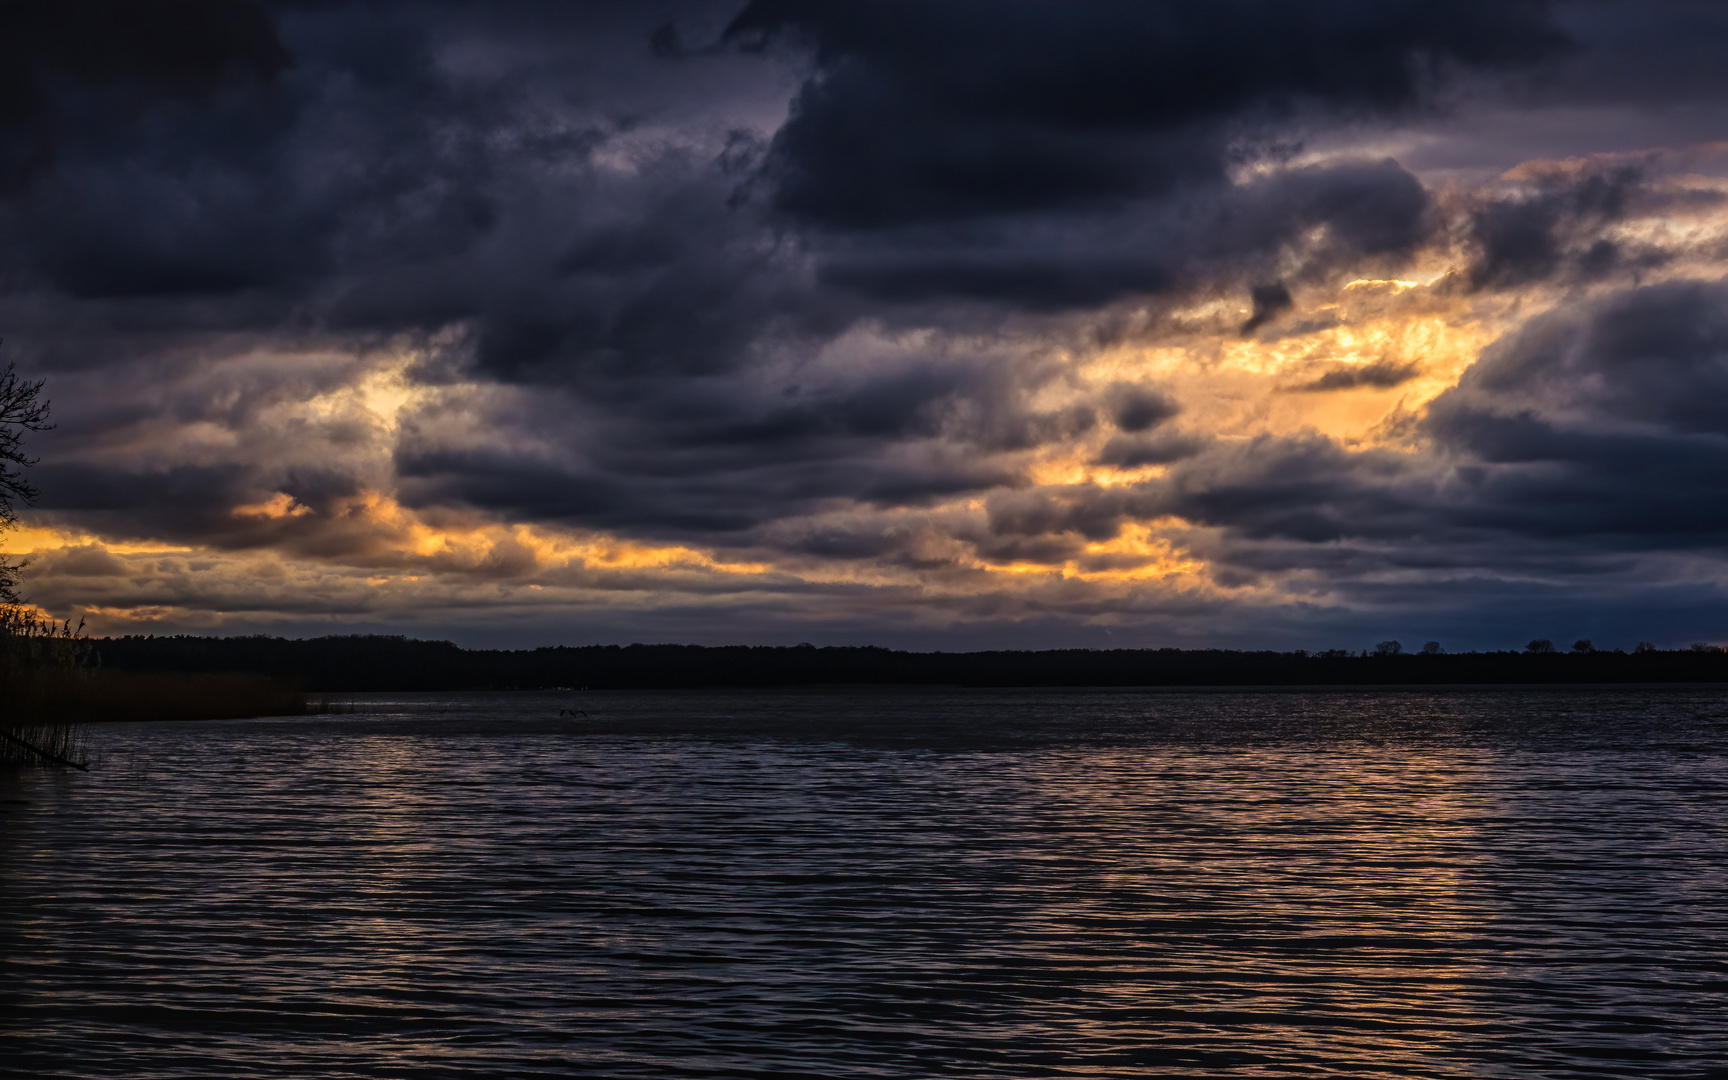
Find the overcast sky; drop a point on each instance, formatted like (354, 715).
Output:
(938, 324)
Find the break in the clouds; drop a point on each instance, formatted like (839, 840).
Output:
(940, 323)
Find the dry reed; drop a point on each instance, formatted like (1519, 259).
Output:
(50, 688)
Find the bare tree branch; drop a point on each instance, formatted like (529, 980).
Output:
(22, 409)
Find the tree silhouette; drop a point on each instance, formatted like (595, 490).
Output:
(22, 410)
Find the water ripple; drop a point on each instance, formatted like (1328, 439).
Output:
(1409, 884)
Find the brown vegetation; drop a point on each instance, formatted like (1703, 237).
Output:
(133, 695)
(50, 686)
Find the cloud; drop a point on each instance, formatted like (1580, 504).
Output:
(1557, 220)
(1598, 423)
(1313, 221)
(1577, 447)
(911, 318)
(72, 67)
(1136, 408)
(1379, 375)
(921, 112)
(1269, 300)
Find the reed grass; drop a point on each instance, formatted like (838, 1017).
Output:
(137, 695)
(40, 662)
(29, 743)
(51, 688)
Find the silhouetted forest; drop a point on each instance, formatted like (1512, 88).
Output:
(371, 662)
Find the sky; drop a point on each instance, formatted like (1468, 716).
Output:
(943, 325)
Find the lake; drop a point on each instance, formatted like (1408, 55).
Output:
(874, 883)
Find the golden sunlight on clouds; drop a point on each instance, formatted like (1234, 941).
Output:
(279, 505)
(478, 545)
(1062, 468)
(29, 541)
(1143, 556)
(1339, 362)
(1349, 361)
(384, 557)
(1136, 555)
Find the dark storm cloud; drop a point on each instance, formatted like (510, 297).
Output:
(644, 298)
(1536, 234)
(1296, 488)
(1063, 156)
(922, 111)
(726, 456)
(1602, 423)
(369, 191)
(1135, 408)
(186, 501)
(1132, 452)
(1639, 53)
(279, 187)
(77, 63)
(1651, 360)
(1087, 513)
(1366, 213)
(693, 503)
(1379, 375)
(1269, 301)
(372, 180)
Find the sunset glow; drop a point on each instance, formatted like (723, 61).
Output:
(576, 368)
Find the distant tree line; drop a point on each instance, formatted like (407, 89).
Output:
(389, 663)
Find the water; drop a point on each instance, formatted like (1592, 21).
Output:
(878, 884)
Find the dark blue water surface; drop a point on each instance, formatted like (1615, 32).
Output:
(883, 884)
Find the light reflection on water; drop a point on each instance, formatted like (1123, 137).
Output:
(882, 884)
